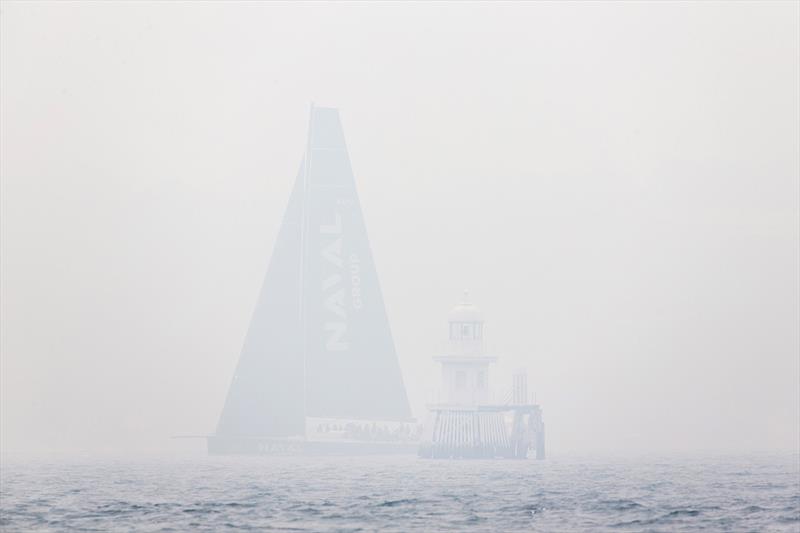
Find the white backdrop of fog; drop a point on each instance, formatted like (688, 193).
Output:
(617, 184)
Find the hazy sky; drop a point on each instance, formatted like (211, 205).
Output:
(618, 185)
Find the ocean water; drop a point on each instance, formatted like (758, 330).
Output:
(199, 493)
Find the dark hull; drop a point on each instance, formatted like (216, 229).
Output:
(272, 446)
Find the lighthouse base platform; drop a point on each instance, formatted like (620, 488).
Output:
(483, 432)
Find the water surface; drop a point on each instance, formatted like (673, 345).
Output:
(199, 493)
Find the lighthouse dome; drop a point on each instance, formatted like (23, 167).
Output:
(465, 311)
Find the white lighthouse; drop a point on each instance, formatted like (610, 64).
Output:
(465, 367)
(464, 424)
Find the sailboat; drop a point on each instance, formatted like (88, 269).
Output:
(318, 371)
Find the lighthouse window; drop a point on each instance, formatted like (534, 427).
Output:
(461, 380)
(465, 331)
(480, 380)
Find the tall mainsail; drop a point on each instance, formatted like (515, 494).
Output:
(319, 343)
(351, 364)
(266, 394)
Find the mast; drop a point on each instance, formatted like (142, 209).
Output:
(303, 251)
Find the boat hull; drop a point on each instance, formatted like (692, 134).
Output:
(218, 445)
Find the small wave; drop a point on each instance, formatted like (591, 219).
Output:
(394, 503)
(235, 504)
(200, 510)
(636, 523)
(532, 509)
(621, 505)
(663, 519)
(682, 512)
